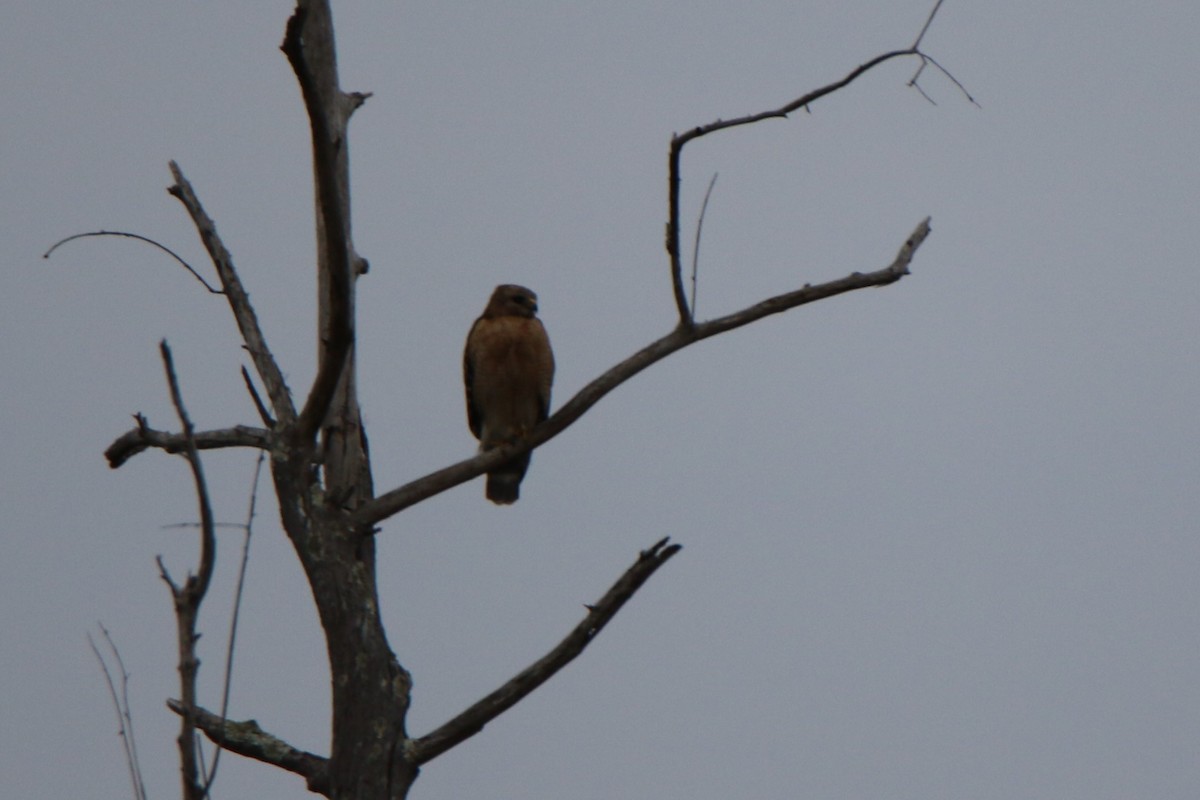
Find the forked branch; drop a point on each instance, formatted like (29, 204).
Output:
(471, 721)
(239, 300)
(190, 595)
(674, 170)
(196, 586)
(309, 49)
(675, 153)
(122, 708)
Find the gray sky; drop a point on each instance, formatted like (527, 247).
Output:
(940, 538)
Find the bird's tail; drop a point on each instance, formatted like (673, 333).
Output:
(504, 482)
(503, 489)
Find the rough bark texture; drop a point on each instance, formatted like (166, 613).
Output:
(370, 688)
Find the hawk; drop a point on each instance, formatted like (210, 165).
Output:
(507, 370)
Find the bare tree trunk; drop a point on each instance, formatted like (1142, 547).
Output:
(370, 688)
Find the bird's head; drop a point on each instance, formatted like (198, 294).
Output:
(510, 300)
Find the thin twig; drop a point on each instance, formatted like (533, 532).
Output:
(124, 715)
(140, 238)
(176, 591)
(128, 709)
(237, 606)
(696, 245)
(216, 525)
(205, 790)
(471, 721)
(263, 413)
(914, 83)
(931, 60)
(917, 42)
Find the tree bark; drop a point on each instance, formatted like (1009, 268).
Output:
(370, 688)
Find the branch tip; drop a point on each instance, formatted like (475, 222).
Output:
(247, 738)
(140, 238)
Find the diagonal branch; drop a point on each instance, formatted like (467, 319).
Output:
(422, 488)
(928, 21)
(239, 300)
(471, 721)
(133, 442)
(121, 707)
(249, 740)
(263, 413)
(809, 293)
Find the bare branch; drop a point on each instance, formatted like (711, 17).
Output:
(143, 437)
(127, 708)
(679, 141)
(686, 316)
(414, 492)
(914, 82)
(239, 300)
(696, 244)
(929, 21)
(189, 598)
(328, 110)
(249, 740)
(166, 577)
(122, 709)
(471, 721)
(140, 238)
(263, 413)
(208, 539)
(809, 293)
(237, 607)
(925, 59)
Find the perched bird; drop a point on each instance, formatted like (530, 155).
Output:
(507, 370)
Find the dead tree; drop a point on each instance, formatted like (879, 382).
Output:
(322, 473)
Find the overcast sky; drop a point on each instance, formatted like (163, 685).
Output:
(940, 538)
